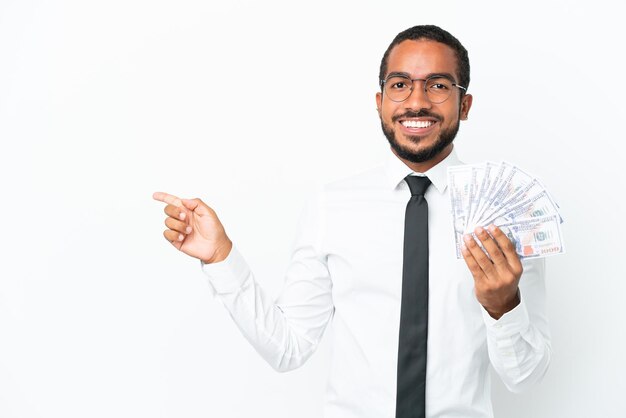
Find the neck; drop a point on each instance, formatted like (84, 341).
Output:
(427, 165)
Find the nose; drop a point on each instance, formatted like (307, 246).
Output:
(417, 99)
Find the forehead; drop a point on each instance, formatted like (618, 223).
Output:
(422, 58)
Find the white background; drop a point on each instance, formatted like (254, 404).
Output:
(248, 105)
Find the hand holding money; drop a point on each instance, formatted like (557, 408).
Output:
(500, 215)
(496, 268)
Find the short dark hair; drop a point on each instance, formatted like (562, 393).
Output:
(433, 33)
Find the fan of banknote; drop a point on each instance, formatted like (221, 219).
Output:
(506, 196)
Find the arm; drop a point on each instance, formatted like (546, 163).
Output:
(519, 342)
(287, 332)
(518, 338)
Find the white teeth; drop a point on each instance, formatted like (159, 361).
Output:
(417, 123)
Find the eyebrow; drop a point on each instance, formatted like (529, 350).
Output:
(407, 75)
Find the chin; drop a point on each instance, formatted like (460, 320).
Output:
(418, 143)
(420, 149)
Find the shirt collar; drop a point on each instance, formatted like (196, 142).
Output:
(396, 170)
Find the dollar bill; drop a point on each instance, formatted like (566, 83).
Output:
(505, 195)
(539, 205)
(535, 237)
(488, 177)
(459, 185)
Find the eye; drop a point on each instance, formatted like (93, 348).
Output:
(398, 83)
(439, 85)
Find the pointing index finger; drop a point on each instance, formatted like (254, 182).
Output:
(167, 198)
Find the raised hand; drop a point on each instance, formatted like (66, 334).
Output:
(496, 277)
(194, 228)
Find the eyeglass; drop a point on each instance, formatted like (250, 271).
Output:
(438, 88)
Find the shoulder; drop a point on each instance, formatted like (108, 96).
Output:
(363, 180)
(347, 189)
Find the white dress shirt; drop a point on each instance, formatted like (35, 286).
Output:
(346, 272)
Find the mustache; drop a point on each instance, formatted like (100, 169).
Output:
(421, 114)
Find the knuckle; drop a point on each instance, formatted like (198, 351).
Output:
(481, 256)
(498, 286)
(483, 286)
(489, 288)
(482, 265)
(496, 255)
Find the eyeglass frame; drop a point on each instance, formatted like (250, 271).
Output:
(413, 80)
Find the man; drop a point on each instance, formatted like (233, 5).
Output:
(377, 267)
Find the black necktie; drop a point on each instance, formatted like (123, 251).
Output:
(411, 390)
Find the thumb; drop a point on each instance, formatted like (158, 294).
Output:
(197, 206)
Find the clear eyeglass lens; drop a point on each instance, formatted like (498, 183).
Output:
(398, 88)
(438, 89)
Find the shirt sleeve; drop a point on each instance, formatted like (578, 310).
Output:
(519, 342)
(287, 331)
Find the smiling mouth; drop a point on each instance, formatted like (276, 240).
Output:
(417, 123)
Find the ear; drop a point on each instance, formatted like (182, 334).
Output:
(466, 104)
(379, 102)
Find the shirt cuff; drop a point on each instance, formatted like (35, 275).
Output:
(509, 324)
(228, 275)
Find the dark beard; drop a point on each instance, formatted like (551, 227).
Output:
(445, 138)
